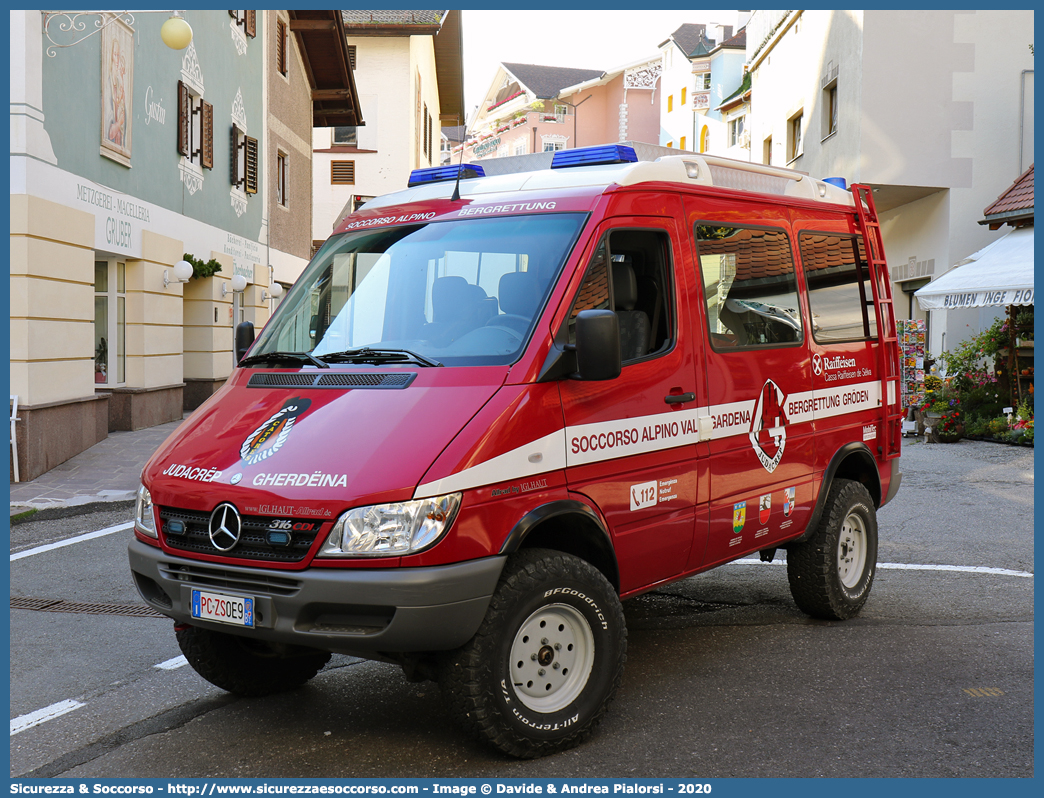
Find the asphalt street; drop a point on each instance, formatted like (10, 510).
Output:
(725, 677)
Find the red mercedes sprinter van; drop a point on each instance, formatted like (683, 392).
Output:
(492, 407)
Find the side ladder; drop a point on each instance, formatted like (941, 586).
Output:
(888, 349)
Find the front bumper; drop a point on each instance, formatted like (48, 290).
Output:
(364, 612)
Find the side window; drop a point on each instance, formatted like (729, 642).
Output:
(629, 274)
(839, 292)
(749, 286)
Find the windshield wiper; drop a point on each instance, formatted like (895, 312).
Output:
(299, 357)
(368, 354)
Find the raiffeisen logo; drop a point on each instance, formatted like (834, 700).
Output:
(839, 362)
(821, 364)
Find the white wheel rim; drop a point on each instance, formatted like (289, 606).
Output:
(552, 657)
(851, 551)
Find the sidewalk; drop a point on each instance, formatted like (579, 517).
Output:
(107, 472)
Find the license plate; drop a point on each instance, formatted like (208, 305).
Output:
(235, 610)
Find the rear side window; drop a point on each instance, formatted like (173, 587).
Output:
(839, 291)
(749, 286)
(628, 274)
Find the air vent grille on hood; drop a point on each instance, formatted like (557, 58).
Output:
(340, 379)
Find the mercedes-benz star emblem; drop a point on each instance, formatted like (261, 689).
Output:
(225, 527)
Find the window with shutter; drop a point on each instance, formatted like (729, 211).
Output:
(195, 140)
(281, 47)
(234, 160)
(184, 119)
(207, 139)
(342, 173)
(247, 20)
(351, 55)
(250, 145)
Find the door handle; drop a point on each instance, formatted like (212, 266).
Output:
(679, 398)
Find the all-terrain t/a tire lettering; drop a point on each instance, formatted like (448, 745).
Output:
(247, 667)
(540, 672)
(831, 573)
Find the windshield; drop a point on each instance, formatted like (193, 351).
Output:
(464, 292)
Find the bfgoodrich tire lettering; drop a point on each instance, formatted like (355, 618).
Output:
(832, 572)
(247, 667)
(540, 672)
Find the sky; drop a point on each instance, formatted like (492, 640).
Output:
(585, 39)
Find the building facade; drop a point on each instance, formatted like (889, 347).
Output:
(126, 157)
(531, 109)
(409, 70)
(702, 64)
(933, 109)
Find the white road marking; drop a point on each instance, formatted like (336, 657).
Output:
(902, 566)
(24, 722)
(70, 541)
(171, 664)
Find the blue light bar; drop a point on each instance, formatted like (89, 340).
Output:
(440, 174)
(593, 156)
(836, 181)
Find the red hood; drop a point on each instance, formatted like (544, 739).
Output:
(318, 451)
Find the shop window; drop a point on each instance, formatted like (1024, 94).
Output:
(247, 20)
(195, 127)
(110, 322)
(629, 274)
(749, 286)
(342, 173)
(839, 288)
(244, 161)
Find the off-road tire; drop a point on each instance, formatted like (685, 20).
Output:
(832, 572)
(585, 631)
(247, 667)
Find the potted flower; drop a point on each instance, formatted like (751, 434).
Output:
(942, 412)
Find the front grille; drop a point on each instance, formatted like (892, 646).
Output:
(256, 582)
(337, 379)
(253, 539)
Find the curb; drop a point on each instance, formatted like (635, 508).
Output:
(50, 513)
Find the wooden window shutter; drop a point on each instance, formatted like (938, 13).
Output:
(207, 148)
(184, 119)
(250, 145)
(351, 55)
(342, 173)
(234, 161)
(281, 47)
(251, 24)
(424, 124)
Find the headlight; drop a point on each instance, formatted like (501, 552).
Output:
(388, 530)
(144, 516)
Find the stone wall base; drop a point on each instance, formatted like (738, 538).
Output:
(50, 434)
(140, 408)
(197, 391)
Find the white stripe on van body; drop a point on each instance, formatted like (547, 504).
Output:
(611, 440)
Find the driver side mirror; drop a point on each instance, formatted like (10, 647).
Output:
(597, 346)
(244, 338)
